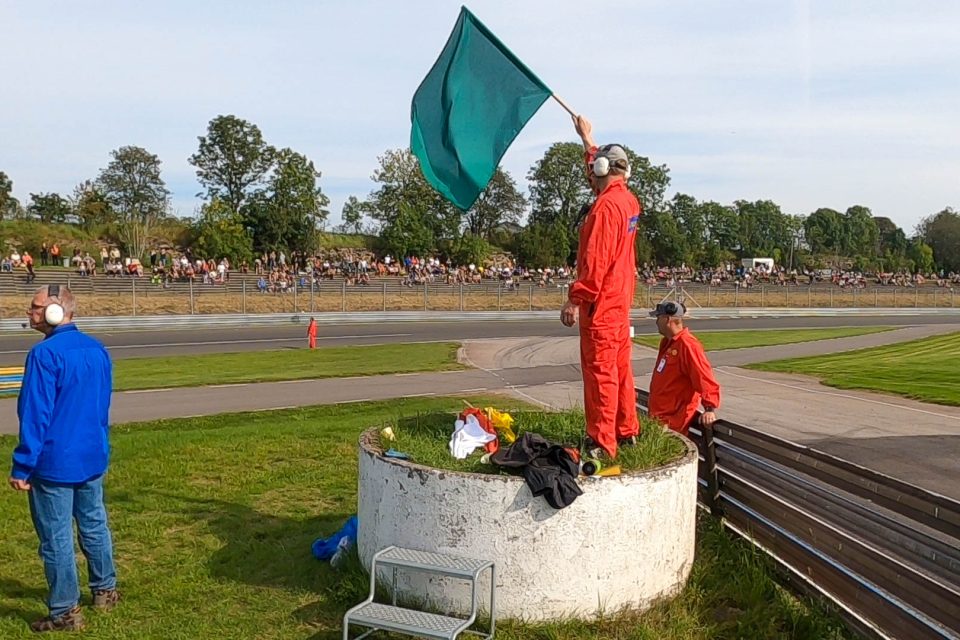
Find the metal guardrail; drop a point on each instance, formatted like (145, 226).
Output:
(887, 553)
(202, 320)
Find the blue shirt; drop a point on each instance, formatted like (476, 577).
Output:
(64, 408)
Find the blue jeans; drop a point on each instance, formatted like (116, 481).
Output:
(54, 507)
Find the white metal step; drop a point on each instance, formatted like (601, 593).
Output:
(441, 563)
(408, 621)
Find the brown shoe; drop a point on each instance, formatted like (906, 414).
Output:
(106, 600)
(70, 621)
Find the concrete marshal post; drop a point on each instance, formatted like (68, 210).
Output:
(626, 542)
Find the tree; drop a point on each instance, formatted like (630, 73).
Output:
(403, 190)
(49, 208)
(8, 204)
(220, 233)
(722, 232)
(288, 213)
(543, 245)
(409, 233)
(692, 225)
(941, 232)
(132, 186)
(667, 242)
(90, 206)
(922, 255)
(232, 160)
(823, 230)
(860, 233)
(498, 203)
(648, 182)
(470, 249)
(764, 230)
(352, 215)
(559, 189)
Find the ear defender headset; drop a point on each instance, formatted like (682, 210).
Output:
(53, 313)
(601, 164)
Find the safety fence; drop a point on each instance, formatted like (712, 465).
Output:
(103, 296)
(10, 379)
(885, 552)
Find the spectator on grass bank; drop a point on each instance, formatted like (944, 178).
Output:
(62, 456)
(44, 254)
(682, 376)
(28, 265)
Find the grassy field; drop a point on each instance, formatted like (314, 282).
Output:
(286, 364)
(719, 340)
(425, 438)
(213, 520)
(924, 369)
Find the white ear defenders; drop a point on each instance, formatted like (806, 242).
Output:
(53, 313)
(601, 164)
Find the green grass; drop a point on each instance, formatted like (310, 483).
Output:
(287, 364)
(924, 369)
(213, 519)
(718, 340)
(426, 437)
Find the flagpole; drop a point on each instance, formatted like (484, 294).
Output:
(563, 104)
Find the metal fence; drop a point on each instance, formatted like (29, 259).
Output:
(885, 552)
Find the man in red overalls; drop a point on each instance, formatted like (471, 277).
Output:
(682, 377)
(312, 333)
(601, 297)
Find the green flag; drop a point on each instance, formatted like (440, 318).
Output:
(468, 110)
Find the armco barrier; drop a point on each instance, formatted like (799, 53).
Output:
(199, 321)
(887, 553)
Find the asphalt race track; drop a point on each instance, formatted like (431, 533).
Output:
(170, 342)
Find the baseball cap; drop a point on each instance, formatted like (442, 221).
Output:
(615, 154)
(676, 309)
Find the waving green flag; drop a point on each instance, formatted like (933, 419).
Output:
(468, 110)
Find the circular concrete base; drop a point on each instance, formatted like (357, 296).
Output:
(627, 541)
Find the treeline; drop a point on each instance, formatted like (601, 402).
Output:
(258, 198)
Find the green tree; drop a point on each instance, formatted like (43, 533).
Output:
(692, 225)
(232, 160)
(921, 255)
(891, 241)
(941, 232)
(352, 215)
(409, 233)
(500, 202)
(559, 189)
(220, 233)
(8, 204)
(49, 208)
(823, 230)
(765, 231)
(402, 187)
(860, 232)
(470, 249)
(647, 181)
(667, 241)
(722, 232)
(90, 207)
(290, 211)
(542, 245)
(132, 186)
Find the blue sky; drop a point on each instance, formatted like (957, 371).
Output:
(808, 103)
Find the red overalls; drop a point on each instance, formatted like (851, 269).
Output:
(312, 333)
(606, 276)
(682, 378)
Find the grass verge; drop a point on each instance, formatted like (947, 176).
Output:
(425, 439)
(719, 340)
(286, 364)
(923, 369)
(213, 519)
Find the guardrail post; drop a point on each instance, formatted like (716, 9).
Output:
(763, 290)
(710, 464)
(736, 296)
(461, 296)
(876, 298)
(831, 297)
(192, 310)
(296, 285)
(786, 295)
(809, 297)
(311, 294)
(894, 296)
(709, 289)
(916, 297)
(425, 303)
(343, 295)
(499, 292)
(384, 295)
(133, 287)
(530, 295)
(243, 297)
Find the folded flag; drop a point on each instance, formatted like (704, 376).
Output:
(469, 109)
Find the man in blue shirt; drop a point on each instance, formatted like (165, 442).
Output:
(62, 455)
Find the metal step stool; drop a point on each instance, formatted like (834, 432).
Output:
(384, 617)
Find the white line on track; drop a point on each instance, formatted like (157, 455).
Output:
(352, 401)
(148, 390)
(418, 395)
